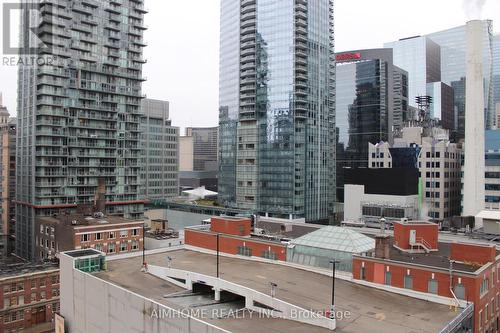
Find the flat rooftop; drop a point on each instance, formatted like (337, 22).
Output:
(78, 220)
(9, 269)
(436, 259)
(371, 310)
(295, 230)
(83, 253)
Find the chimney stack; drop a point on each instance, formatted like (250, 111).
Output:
(100, 196)
(473, 199)
(382, 246)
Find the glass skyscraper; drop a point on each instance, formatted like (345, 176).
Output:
(277, 119)
(79, 111)
(421, 58)
(453, 68)
(371, 105)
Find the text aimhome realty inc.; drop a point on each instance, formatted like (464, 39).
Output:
(202, 313)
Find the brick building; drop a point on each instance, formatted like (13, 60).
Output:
(109, 234)
(235, 237)
(414, 259)
(29, 296)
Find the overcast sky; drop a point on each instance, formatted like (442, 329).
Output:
(183, 45)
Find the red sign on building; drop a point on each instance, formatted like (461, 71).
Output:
(348, 56)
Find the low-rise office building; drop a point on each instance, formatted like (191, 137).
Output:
(415, 260)
(109, 234)
(29, 296)
(233, 235)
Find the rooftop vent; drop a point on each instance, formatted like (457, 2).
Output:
(98, 215)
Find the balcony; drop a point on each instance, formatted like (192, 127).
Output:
(247, 52)
(54, 71)
(250, 58)
(79, 8)
(78, 45)
(248, 23)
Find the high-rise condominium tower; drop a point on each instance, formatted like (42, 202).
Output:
(79, 111)
(277, 118)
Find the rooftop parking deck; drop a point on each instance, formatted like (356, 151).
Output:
(370, 310)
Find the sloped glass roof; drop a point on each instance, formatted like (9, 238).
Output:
(337, 239)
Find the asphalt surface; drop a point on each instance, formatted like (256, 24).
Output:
(368, 309)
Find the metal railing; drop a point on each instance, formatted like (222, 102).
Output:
(454, 324)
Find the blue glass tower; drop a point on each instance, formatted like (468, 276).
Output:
(277, 118)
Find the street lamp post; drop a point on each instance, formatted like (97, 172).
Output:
(144, 245)
(218, 255)
(332, 309)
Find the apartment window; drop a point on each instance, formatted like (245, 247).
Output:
(55, 292)
(33, 297)
(362, 273)
(20, 301)
(111, 248)
(388, 278)
(85, 238)
(432, 286)
(123, 246)
(43, 295)
(269, 254)
(244, 251)
(42, 282)
(408, 282)
(484, 286)
(123, 233)
(20, 286)
(6, 302)
(98, 236)
(55, 279)
(135, 245)
(6, 289)
(135, 232)
(111, 235)
(33, 284)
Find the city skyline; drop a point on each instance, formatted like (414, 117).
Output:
(167, 80)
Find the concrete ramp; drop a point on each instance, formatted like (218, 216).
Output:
(254, 300)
